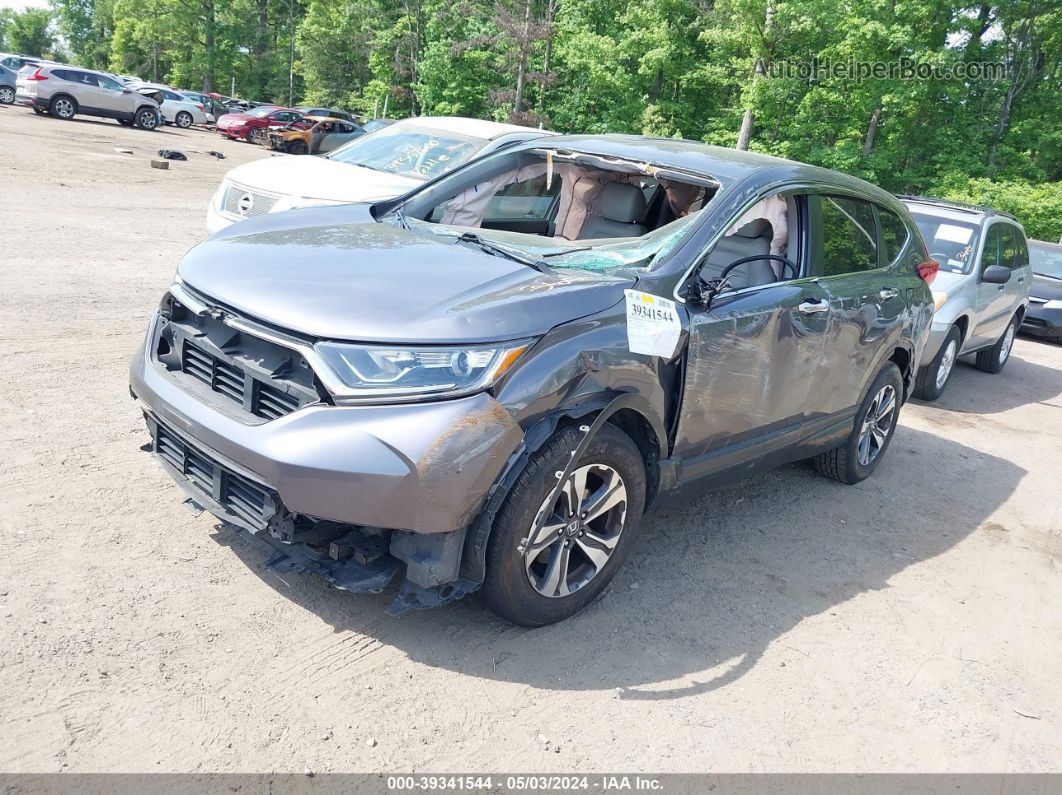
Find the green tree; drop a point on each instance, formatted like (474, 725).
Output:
(29, 32)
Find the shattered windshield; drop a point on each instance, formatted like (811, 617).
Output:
(565, 209)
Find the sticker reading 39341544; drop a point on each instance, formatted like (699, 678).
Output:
(653, 325)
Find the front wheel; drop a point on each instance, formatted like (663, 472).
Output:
(934, 376)
(256, 136)
(992, 360)
(184, 120)
(147, 119)
(298, 148)
(875, 423)
(534, 578)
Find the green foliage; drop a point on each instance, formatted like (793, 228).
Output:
(682, 68)
(28, 32)
(1037, 206)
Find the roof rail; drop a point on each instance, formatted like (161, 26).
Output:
(956, 205)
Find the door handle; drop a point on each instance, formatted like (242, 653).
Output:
(811, 307)
(886, 293)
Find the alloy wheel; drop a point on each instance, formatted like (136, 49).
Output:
(580, 531)
(149, 120)
(184, 120)
(7, 96)
(64, 108)
(947, 361)
(877, 423)
(1008, 343)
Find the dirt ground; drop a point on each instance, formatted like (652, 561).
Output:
(910, 623)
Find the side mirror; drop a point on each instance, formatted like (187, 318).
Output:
(996, 274)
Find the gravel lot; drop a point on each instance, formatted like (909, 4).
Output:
(910, 623)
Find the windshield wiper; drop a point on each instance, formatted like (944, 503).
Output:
(566, 251)
(501, 251)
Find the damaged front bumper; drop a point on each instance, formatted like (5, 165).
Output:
(351, 493)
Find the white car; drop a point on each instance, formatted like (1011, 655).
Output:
(176, 109)
(377, 166)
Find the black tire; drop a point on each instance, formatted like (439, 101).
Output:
(183, 120)
(7, 95)
(843, 462)
(256, 136)
(63, 106)
(994, 359)
(507, 587)
(298, 148)
(146, 118)
(928, 384)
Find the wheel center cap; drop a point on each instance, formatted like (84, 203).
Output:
(572, 528)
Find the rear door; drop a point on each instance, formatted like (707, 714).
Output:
(867, 305)
(993, 302)
(1015, 253)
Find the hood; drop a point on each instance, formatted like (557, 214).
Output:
(237, 117)
(320, 178)
(333, 273)
(948, 282)
(1046, 287)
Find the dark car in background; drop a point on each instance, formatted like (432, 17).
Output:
(1044, 317)
(486, 382)
(254, 125)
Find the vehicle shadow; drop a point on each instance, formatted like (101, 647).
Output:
(1022, 382)
(709, 586)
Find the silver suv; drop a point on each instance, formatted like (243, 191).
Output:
(64, 91)
(981, 292)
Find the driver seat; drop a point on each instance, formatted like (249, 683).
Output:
(751, 239)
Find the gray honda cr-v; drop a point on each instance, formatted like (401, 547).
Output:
(484, 384)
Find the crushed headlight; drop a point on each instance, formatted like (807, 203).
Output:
(377, 372)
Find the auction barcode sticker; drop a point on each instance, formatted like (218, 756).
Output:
(653, 325)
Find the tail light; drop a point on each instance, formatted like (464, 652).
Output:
(37, 76)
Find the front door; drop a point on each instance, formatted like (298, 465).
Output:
(114, 99)
(752, 358)
(993, 300)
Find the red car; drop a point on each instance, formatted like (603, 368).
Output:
(254, 125)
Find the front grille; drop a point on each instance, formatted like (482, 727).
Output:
(238, 495)
(255, 396)
(241, 202)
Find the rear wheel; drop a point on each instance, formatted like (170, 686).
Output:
(537, 578)
(992, 360)
(184, 120)
(934, 376)
(7, 95)
(63, 107)
(875, 423)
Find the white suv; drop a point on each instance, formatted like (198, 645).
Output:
(65, 91)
